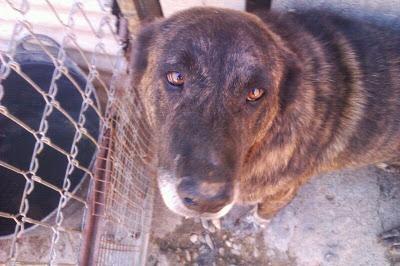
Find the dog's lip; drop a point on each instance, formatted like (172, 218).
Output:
(167, 185)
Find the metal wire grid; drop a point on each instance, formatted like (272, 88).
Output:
(115, 218)
(126, 202)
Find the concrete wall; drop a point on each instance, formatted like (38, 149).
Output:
(382, 11)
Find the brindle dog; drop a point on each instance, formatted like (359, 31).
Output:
(247, 108)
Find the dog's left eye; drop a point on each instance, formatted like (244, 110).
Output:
(175, 78)
(254, 94)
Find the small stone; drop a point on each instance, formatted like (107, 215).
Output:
(178, 250)
(209, 241)
(194, 238)
(187, 255)
(221, 251)
(224, 237)
(205, 224)
(237, 247)
(216, 223)
(212, 229)
(228, 243)
(235, 252)
(329, 256)
(330, 197)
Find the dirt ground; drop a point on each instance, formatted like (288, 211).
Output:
(334, 220)
(237, 240)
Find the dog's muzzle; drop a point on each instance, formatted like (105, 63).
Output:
(190, 198)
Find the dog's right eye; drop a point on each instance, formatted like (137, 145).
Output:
(254, 94)
(175, 78)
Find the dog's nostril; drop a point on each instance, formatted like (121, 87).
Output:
(189, 201)
(203, 196)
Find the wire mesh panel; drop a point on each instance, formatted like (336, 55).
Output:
(122, 206)
(75, 148)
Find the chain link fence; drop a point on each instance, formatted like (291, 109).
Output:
(75, 146)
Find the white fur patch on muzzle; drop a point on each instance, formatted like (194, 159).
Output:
(168, 185)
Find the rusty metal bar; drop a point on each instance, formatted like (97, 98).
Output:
(97, 200)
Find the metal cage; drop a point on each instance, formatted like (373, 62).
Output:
(104, 216)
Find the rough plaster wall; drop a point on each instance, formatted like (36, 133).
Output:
(383, 11)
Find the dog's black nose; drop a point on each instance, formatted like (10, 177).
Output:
(204, 196)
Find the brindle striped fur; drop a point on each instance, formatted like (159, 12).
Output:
(332, 98)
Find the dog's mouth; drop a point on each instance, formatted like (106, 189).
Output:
(168, 186)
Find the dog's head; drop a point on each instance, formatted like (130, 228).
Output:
(211, 80)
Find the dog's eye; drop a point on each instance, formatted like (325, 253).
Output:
(175, 78)
(254, 94)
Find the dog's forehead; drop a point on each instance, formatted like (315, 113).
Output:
(213, 41)
(213, 45)
(209, 28)
(205, 52)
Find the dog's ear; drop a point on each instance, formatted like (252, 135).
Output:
(142, 44)
(290, 82)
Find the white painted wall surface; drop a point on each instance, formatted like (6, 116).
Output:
(172, 6)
